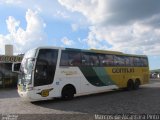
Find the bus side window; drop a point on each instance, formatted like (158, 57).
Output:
(137, 62)
(119, 60)
(94, 60)
(131, 61)
(109, 60)
(70, 58)
(101, 60)
(90, 59)
(144, 62)
(106, 60)
(85, 59)
(127, 61)
(64, 59)
(74, 58)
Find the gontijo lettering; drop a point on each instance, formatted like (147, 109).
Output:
(123, 70)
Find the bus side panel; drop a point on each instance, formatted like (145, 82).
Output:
(68, 75)
(95, 79)
(86, 80)
(146, 76)
(121, 75)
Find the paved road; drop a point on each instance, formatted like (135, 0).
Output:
(145, 100)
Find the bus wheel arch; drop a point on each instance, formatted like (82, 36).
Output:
(137, 83)
(68, 92)
(130, 85)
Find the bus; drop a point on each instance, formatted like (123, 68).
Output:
(53, 72)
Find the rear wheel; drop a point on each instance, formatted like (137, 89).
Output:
(68, 92)
(136, 84)
(130, 85)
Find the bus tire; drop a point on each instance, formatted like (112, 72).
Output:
(130, 85)
(137, 84)
(68, 92)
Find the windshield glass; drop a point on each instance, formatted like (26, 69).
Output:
(27, 67)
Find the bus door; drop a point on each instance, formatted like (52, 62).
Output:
(45, 71)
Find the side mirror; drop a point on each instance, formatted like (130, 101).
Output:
(16, 67)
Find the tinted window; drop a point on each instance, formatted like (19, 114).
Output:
(74, 58)
(127, 61)
(90, 59)
(131, 61)
(144, 62)
(64, 59)
(119, 60)
(45, 67)
(106, 60)
(137, 62)
(86, 59)
(94, 60)
(70, 58)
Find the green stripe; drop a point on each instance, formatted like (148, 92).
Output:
(104, 77)
(91, 76)
(97, 76)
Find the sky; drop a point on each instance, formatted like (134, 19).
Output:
(129, 26)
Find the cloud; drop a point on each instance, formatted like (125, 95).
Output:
(67, 42)
(23, 39)
(11, 1)
(74, 27)
(130, 26)
(134, 38)
(92, 9)
(12, 24)
(61, 14)
(113, 11)
(47, 8)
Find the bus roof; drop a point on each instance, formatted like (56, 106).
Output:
(93, 51)
(106, 51)
(115, 52)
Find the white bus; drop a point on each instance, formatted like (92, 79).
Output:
(51, 72)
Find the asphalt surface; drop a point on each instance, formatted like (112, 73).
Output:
(146, 100)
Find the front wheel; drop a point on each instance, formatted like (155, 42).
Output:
(67, 93)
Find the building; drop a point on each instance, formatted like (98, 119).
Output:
(7, 77)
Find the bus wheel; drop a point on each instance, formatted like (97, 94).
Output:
(136, 84)
(68, 92)
(130, 85)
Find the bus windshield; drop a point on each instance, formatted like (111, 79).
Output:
(27, 67)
